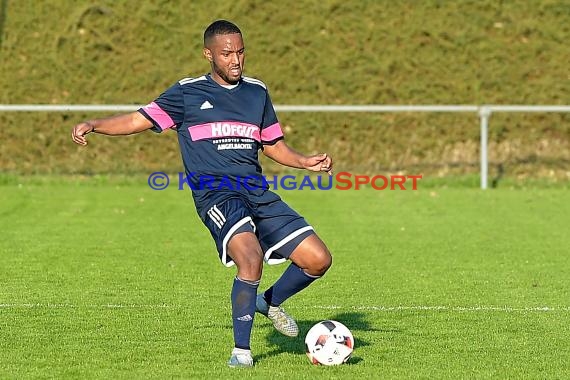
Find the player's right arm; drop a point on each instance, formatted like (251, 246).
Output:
(167, 111)
(126, 124)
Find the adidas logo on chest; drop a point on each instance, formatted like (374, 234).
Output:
(206, 105)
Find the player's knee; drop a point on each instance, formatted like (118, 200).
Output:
(249, 273)
(321, 264)
(326, 262)
(250, 267)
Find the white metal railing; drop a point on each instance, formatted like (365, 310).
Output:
(483, 111)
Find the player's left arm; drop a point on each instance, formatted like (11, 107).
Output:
(277, 149)
(285, 155)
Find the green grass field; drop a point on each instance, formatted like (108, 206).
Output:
(105, 278)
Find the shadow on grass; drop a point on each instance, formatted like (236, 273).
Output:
(355, 321)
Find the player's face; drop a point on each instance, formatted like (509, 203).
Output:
(226, 54)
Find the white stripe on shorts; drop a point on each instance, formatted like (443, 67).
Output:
(229, 235)
(215, 218)
(217, 210)
(284, 241)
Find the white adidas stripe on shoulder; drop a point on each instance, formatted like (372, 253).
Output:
(191, 80)
(254, 81)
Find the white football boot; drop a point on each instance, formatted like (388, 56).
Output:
(241, 358)
(282, 321)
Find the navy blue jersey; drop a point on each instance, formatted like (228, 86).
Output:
(220, 132)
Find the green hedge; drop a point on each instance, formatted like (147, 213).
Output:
(307, 52)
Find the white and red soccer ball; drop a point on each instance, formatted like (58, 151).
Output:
(329, 343)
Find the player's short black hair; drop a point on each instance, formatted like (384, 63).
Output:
(220, 27)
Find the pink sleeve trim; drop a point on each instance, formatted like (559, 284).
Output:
(157, 114)
(271, 133)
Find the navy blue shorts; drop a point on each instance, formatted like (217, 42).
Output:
(278, 228)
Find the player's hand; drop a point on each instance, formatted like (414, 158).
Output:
(80, 131)
(319, 163)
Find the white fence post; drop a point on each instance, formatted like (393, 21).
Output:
(484, 113)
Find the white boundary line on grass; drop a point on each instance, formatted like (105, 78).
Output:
(88, 306)
(503, 309)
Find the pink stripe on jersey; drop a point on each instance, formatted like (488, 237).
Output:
(271, 133)
(157, 114)
(224, 129)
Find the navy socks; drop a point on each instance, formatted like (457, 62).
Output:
(243, 310)
(291, 282)
(244, 292)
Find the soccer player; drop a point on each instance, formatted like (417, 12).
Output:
(222, 119)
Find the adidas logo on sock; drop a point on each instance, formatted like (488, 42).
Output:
(206, 105)
(245, 318)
